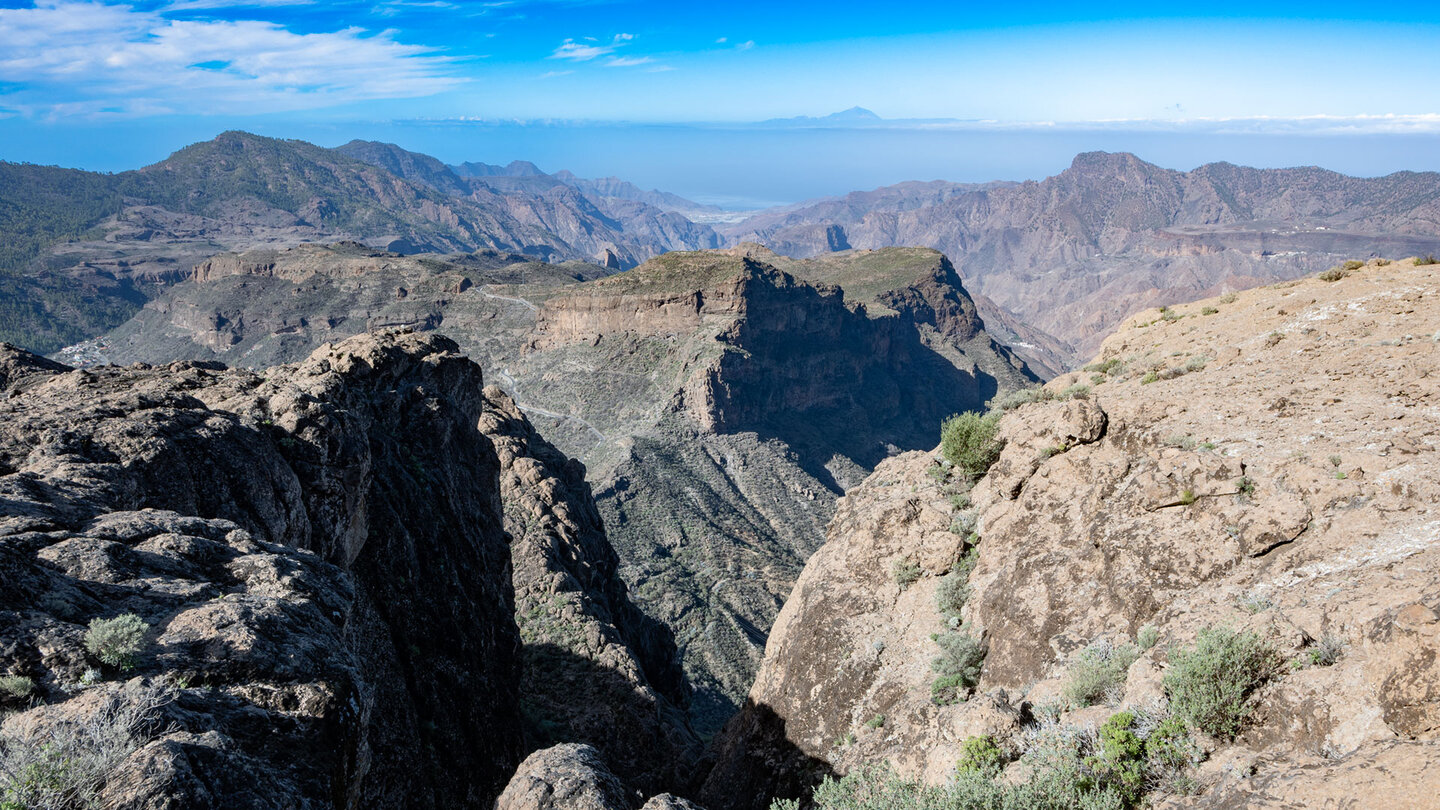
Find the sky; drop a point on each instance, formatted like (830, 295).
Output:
(665, 92)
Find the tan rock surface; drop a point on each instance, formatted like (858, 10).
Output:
(1289, 485)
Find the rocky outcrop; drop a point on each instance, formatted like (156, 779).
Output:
(565, 777)
(1264, 461)
(318, 559)
(1075, 254)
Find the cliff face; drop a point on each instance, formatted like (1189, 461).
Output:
(319, 558)
(720, 401)
(1263, 462)
(596, 669)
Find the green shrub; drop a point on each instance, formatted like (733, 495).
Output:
(1333, 274)
(1076, 391)
(1187, 497)
(1421, 261)
(1245, 486)
(878, 721)
(958, 665)
(17, 686)
(1106, 367)
(904, 571)
(1211, 685)
(954, 588)
(968, 441)
(1119, 762)
(980, 755)
(1352, 264)
(116, 641)
(1098, 673)
(1208, 311)
(1148, 637)
(1149, 377)
(1023, 396)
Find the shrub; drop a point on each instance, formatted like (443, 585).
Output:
(116, 641)
(968, 441)
(954, 588)
(1106, 367)
(1352, 264)
(1333, 274)
(17, 686)
(1023, 396)
(68, 768)
(1149, 377)
(958, 665)
(1382, 262)
(1148, 637)
(1187, 497)
(1098, 673)
(1211, 685)
(1245, 486)
(980, 755)
(1119, 761)
(1421, 261)
(1077, 391)
(1208, 311)
(878, 721)
(1229, 298)
(1196, 363)
(904, 571)
(1327, 651)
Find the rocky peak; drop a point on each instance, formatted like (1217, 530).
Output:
(318, 556)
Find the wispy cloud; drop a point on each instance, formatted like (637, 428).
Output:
(628, 61)
(551, 74)
(590, 49)
(72, 57)
(746, 45)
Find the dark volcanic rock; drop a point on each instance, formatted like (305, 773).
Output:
(318, 555)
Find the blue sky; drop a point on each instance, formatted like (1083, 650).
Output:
(110, 85)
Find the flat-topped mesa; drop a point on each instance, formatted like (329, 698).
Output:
(675, 293)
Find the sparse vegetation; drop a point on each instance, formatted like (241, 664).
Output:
(968, 441)
(1229, 298)
(1429, 258)
(1107, 367)
(878, 721)
(1149, 377)
(1187, 497)
(1077, 391)
(980, 755)
(66, 768)
(1211, 686)
(1208, 311)
(1098, 673)
(1024, 396)
(1245, 486)
(1326, 652)
(958, 666)
(17, 686)
(953, 589)
(116, 641)
(1148, 637)
(905, 572)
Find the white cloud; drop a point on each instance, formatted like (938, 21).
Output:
(722, 40)
(550, 74)
(628, 61)
(746, 45)
(579, 52)
(584, 52)
(73, 57)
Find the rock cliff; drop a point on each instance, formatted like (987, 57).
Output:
(1260, 462)
(721, 401)
(359, 581)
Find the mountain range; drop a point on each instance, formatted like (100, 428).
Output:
(1074, 254)
(84, 250)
